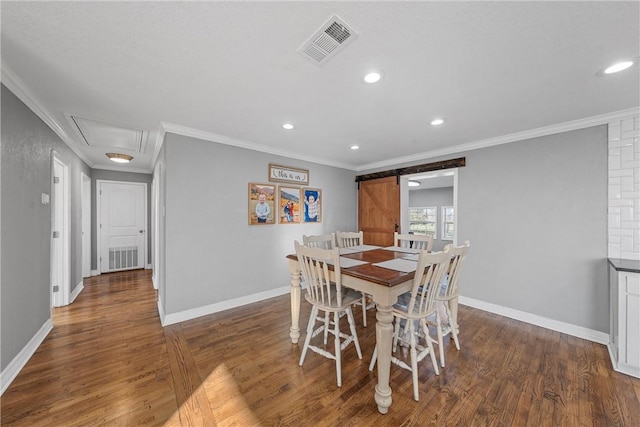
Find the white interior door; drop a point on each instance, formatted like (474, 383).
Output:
(85, 185)
(60, 229)
(122, 225)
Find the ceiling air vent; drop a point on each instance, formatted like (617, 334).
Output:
(327, 41)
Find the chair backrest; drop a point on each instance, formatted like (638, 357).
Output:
(458, 255)
(323, 241)
(415, 241)
(347, 239)
(426, 282)
(314, 263)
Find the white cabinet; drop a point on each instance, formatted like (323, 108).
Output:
(624, 300)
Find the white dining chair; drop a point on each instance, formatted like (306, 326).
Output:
(329, 296)
(443, 319)
(346, 239)
(414, 241)
(414, 309)
(323, 241)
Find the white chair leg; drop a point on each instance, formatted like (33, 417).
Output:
(414, 361)
(326, 327)
(364, 310)
(336, 319)
(352, 327)
(427, 337)
(396, 335)
(454, 334)
(440, 338)
(374, 358)
(310, 325)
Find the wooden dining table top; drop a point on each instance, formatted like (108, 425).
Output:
(373, 273)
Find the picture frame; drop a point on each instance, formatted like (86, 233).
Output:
(312, 200)
(289, 205)
(286, 174)
(261, 195)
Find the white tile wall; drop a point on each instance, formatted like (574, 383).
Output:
(624, 188)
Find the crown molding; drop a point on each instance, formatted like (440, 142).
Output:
(513, 137)
(214, 137)
(159, 141)
(15, 85)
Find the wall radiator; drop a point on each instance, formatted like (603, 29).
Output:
(124, 257)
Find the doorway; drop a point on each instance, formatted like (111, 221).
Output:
(122, 225)
(430, 181)
(60, 232)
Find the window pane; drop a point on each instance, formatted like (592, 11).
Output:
(417, 228)
(423, 220)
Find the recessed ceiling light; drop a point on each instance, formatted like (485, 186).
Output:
(437, 122)
(414, 183)
(287, 126)
(618, 67)
(119, 158)
(355, 147)
(372, 77)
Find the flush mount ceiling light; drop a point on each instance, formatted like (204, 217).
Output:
(119, 158)
(414, 183)
(373, 77)
(437, 122)
(287, 126)
(355, 147)
(618, 67)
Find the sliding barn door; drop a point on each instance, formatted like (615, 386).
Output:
(379, 210)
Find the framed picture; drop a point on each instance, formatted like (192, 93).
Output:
(262, 204)
(297, 176)
(312, 199)
(289, 205)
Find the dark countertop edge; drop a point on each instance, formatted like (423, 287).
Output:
(629, 265)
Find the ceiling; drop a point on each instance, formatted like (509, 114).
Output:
(231, 72)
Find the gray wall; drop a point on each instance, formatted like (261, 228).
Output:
(212, 254)
(535, 212)
(27, 143)
(116, 176)
(437, 197)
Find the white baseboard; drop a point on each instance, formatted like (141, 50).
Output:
(154, 282)
(76, 292)
(12, 370)
(149, 267)
(554, 325)
(95, 273)
(170, 319)
(623, 368)
(161, 312)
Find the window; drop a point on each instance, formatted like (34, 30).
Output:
(448, 229)
(423, 220)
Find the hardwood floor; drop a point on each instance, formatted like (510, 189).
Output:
(109, 362)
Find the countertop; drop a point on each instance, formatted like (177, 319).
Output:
(630, 265)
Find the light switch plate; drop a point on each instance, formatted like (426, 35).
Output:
(45, 199)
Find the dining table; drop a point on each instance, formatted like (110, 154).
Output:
(383, 273)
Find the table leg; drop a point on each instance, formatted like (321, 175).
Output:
(295, 302)
(384, 336)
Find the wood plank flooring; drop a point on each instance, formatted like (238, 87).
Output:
(108, 361)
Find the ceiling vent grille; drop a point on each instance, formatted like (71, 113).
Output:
(334, 35)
